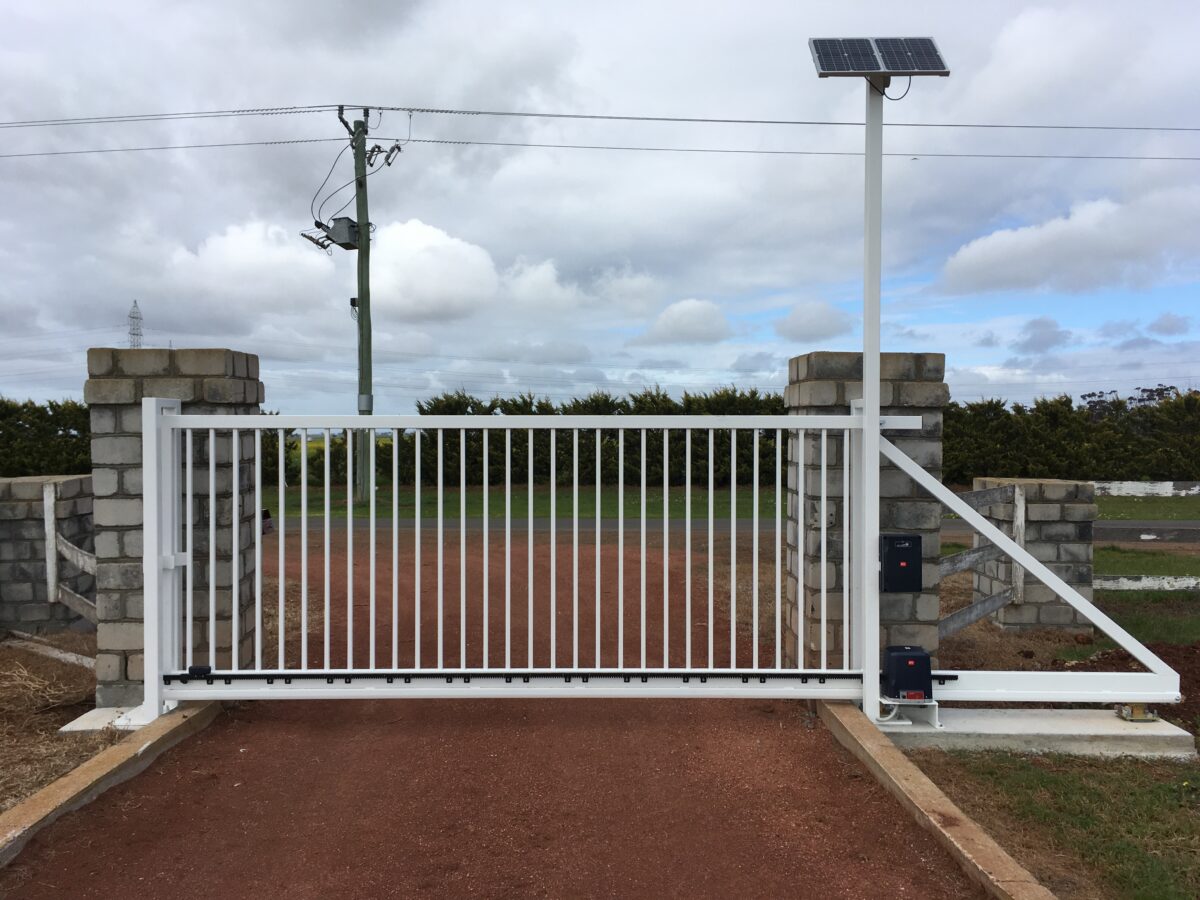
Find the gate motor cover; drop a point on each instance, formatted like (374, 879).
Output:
(907, 674)
(900, 563)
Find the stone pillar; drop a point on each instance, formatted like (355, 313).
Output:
(205, 381)
(826, 383)
(26, 601)
(1058, 532)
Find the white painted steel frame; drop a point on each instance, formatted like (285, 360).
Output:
(1160, 684)
(620, 680)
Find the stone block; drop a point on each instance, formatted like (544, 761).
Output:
(109, 605)
(116, 450)
(13, 511)
(113, 512)
(1056, 614)
(108, 544)
(170, 388)
(33, 612)
(1080, 512)
(135, 666)
(110, 391)
(895, 607)
(931, 366)
(1044, 512)
(110, 666)
(131, 481)
(224, 390)
(815, 393)
(913, 634)
(119, 576)
(1018, 614)
(927, 608)
(1058, 491)
(100, 361)
(18, 592)
(1080, 552)
(204, 362)
(901, 515)
(143, 361)
(925, 452)
(909, 394)
(119, 636)
(29, 488)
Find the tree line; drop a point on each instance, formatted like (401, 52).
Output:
(1154, 434)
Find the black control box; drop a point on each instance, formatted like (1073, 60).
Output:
(900, 563)
(907, 674)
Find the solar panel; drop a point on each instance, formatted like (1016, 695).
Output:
(844, 56)
(876, 56)
(911, 56)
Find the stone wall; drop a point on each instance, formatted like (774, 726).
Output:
(25, 594)
(205, 381)
(1058, 532)
(827, 383)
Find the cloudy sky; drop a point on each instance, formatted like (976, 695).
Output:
(503, 269)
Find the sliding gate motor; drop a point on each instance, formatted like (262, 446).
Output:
(907, 674)
(906, 685)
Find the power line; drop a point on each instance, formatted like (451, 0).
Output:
(737, 151)
(700, 120)
(448, 111)
(224, 144)
(915, 154)
(170, 116)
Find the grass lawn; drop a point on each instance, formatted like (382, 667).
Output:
(1110, 560)
(1086, 827)
(541, 502)
(1150, 508)
(1091, 828)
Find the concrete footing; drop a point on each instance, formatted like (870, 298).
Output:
(98, 719)
(1080, 732)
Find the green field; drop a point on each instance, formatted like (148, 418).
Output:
(1127, 826)
(452, 499)
(1149, 508)
(1111, 560)
(1090, 827)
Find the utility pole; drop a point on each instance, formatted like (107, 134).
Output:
(366, 400)
(356, 235)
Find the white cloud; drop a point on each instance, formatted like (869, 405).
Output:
(1098, 244)
(419, 272)
(687, 322)
(1170, 324)
(538, 285)
(253, 261)
(814, 320)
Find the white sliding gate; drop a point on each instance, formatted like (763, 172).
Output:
(534, 556)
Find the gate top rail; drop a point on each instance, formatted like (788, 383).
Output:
(475, 423)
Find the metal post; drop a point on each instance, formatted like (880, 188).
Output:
(868, 536)
(158, 556)
(366, 400)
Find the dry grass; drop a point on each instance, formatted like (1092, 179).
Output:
(986, 646)
(37, 696)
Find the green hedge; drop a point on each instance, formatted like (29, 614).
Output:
(1154, 435)
(725, 401)
(44, 439)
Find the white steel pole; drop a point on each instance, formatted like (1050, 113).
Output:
(868, 536)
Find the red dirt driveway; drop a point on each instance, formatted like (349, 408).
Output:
(495, 798)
